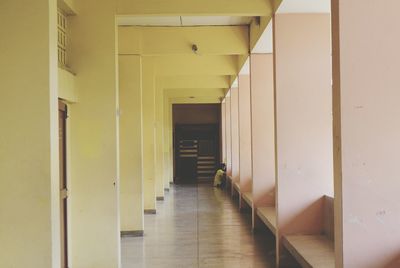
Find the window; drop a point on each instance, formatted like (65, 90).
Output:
(62, 39)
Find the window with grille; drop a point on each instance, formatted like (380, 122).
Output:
(62, 38)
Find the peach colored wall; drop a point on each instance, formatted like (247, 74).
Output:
(245, 170)
(223, 132)
(263, 128)
(235, 133)
(368, 82)
(196, 113)
(303, 120)
(228, 136)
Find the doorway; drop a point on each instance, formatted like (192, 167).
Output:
(62, 133)
(196, 152)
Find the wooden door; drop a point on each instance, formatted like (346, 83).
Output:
(62, 119)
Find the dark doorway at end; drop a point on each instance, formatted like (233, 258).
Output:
(196, 142)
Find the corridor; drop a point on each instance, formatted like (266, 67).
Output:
(198, 226)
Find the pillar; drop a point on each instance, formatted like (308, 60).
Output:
(29, 176)
(263, 129)
(235, 134)
(94, 175)
(148, 119)
(228, 135)
(131, 189)
(159, 142)
(245, 169)
(303, 121)
(366, 133)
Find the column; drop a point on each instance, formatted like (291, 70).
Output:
(131, 189)
(366, 133)
(29, 176)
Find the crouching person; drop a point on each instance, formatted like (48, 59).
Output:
(220, 177)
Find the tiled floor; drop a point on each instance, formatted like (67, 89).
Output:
(198, 226)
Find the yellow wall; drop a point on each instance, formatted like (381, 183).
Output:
(29, 177)
(159, 143)
(66, 86)
(130, 95)
(148, 157)
(94, 193)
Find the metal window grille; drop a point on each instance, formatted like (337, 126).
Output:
(62, 38)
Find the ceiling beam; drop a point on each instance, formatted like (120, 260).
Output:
(194, 7)
(195, 92)
(198, 100)
(194, 81)
(210, 40)
(196, 65)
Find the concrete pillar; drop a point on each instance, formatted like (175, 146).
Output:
(263, 129)
(159, 138)
(29, 176)
(245, 169)
(166, 142)
(366, 132)
(228, 135)
(235, 134)
(131, 189)
(223, 131)
(148, 157)
(94, 176)
(303, 121)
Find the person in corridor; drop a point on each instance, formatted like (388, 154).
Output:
(219, 179)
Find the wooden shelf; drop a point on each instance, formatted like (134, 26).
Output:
(268, 216)
(248, 197)
(311, 250)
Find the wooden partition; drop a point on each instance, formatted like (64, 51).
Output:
(367, 129)
(303, 91)
(263, 138)
(223, 132)
(245, 170)
(228, 134)
(235, 137)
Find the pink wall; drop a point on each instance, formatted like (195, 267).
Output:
(369, 178)
(245, 170)
(228, 136)
(303, 121)
(235, 133)
(223, 132)
(263, 134)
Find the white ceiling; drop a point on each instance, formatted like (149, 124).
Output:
(183, 21)
(305, 6)
(265, 43)
(246, 68)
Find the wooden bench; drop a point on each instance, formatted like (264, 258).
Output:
(236, 186)
(268, 216)
(315, 250)
(248, 197)
(311, 250)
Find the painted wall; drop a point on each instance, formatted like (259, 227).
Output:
(228, 135)
(235, 134)
(223, 131)
(159, 140)
(29, 176)
(196, 113)
(131, 189)
(245, 166)
(94, 192)
(366, 85)
(263, 128)
(303, 120)
(148, 114)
